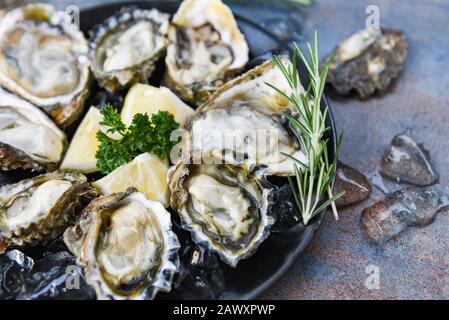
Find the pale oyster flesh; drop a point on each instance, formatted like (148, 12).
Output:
(28, 138)
(243, 122)
(42, 59)
(223, 207)
(367, 61)
(125, 48)
(247, 136)
(205, 49)
(125, 244)
(41, 207)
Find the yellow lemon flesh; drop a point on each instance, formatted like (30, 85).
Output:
(146, 172)
(143, 98)
(80, 155)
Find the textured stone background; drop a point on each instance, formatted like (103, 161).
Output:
(415, 265)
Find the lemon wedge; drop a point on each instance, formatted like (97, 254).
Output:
(143, 98)
(80, 155)
(146, 172)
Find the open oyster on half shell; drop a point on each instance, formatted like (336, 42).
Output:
(368, 60)
(124, 48)
(43, 60)
(206, 49)
(223, 206)
(28, 138)
(41, 207)
(125, 244)
(243, 123)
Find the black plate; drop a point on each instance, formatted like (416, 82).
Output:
(273, 258)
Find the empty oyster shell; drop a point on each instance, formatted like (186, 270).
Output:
(28, 138)
(42, 59)
(242, 123)
(368, 60)
(125, 47)
(125, 244)
(205, 49)
(223, 207)
(41, 207)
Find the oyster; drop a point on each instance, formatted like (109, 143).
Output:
(125, 47)
(243, 123)
(125, 244)
(28, 138)
(368, 60)
(41, 207)
(223, 207)
(206, 49)
(42, 59)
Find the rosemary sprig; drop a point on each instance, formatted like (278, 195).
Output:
(313, 180)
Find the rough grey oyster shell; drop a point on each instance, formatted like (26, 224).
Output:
(124, 48)
(125, 244)
(368, 60)
(206, 49)
(41, 207)
(223, 206)
(43, 60)
(28, 138)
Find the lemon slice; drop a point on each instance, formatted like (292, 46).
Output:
(143, 98)
(80, 155)
(146, 172)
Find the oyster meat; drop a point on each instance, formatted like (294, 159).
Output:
(223, 206)
(43, 60)
(125, 244)
(368, 60)
(125, 47)
(206, 49)
(28, 138)
(41, 207)
(243, 123)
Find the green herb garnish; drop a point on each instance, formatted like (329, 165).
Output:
(143, 135)
(314, 178)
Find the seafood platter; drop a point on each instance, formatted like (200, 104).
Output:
(88, 178)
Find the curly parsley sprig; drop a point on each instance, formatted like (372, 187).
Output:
(143, 135)
(312, 186)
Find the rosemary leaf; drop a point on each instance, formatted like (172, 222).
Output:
(312, 192)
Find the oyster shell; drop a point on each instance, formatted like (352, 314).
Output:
(206, 49)
(41, 207)
(368, 60)
(28, 138)
(243, 123)
(125, 47)
(42, 59)
(223, 207)
(125, 244)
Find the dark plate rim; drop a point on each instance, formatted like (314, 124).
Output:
(312, 228)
